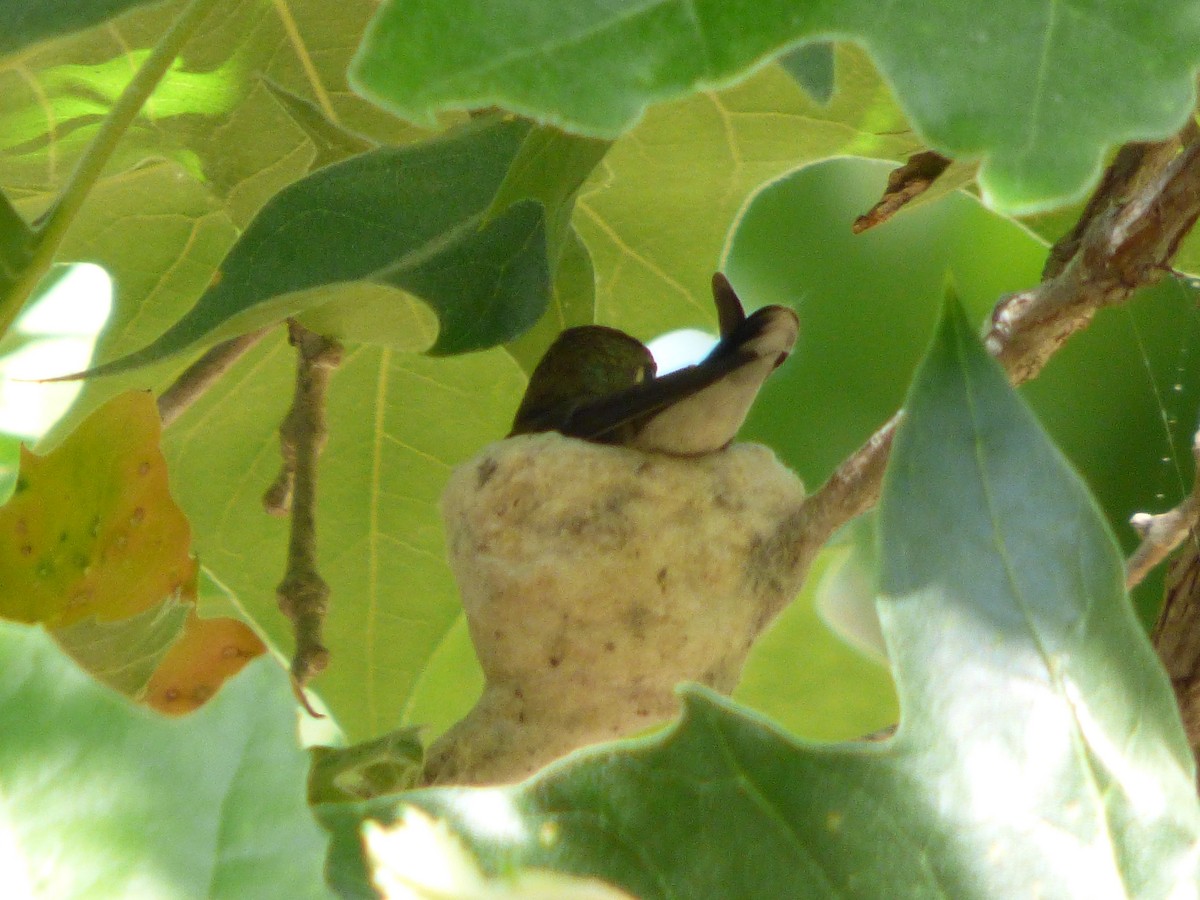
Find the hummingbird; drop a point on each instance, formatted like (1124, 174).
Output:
(601, 385)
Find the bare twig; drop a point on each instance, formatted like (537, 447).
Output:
(1164, 532)
(1133, 230)
(203, 374)
(303, 594)
(1125, 247)
(904, 185)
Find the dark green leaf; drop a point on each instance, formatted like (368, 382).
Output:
(1039, 743)
(16, 239)
(28, 21)
(812, 67)
(105, 799)
(1037, 89)
(386, 765)
(410, 218)
(550, 167)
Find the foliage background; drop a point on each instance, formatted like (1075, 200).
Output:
(735, 165)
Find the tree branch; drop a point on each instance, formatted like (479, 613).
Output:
(303, 594)
(1164, 532)
(1132, 229)
(203, 374)
(1176, 636)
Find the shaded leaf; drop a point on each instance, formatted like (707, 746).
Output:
(16, 241)
(29, 21)
(1039, 743)
(812, 67)
(91, 529)
(198, 807)
(386, 765)
(124, 653)
(209, 652)
(1038, 90)
(409, 217)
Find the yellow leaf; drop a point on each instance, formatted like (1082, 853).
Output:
(91, 529)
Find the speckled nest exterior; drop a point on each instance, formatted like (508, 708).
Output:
(595, 579)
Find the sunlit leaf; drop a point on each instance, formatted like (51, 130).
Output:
(91, 529)
(658, 214)
(208, 652)
(397, 424)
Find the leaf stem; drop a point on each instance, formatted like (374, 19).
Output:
(58, 219)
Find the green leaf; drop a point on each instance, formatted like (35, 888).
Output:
(386, 765)
(812, 67)
(211, 805)
(411, 218)
(1039, 742)
(16, 240)
(124, 654)
(995, 561)
(1037, 89)
(29, 21)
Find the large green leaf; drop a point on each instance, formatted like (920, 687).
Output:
(397, 423)
(1037, 88)
(411, 218)
(100, 798)
(27, 21)
(1039, 748)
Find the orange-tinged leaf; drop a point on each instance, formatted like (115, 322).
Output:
(208, 652)
(91, 529)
